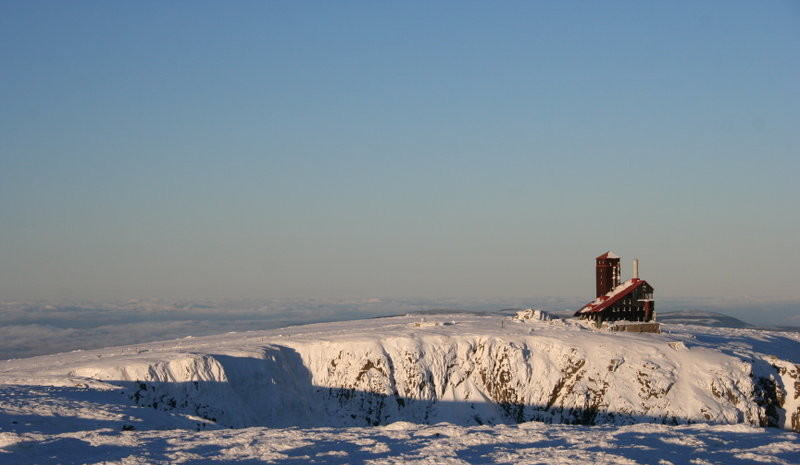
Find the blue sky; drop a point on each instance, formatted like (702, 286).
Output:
(425, 149)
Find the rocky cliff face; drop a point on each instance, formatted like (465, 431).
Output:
(492, 380)
(472, 370)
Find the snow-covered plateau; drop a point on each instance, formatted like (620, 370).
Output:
(450, 388)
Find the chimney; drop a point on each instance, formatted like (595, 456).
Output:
(635, 269)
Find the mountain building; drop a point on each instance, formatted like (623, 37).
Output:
(631, 300)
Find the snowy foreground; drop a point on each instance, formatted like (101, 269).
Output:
(456, 388)
(405, 443)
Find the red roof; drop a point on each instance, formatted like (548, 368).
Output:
(608, 254)
(604, 301)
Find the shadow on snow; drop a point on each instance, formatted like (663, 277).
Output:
(277, 391)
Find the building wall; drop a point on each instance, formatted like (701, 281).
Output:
(606, 274)
(632, 307)
(637, 327)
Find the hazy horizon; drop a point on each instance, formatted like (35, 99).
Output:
(39, 328)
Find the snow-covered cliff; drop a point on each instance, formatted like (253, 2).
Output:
(459, 368)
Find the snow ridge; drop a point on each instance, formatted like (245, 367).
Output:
(460, 369)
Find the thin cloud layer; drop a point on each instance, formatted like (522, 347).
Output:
(37, 328)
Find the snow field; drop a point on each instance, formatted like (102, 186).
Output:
(451, 389)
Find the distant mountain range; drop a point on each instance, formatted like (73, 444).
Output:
(702, 318)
